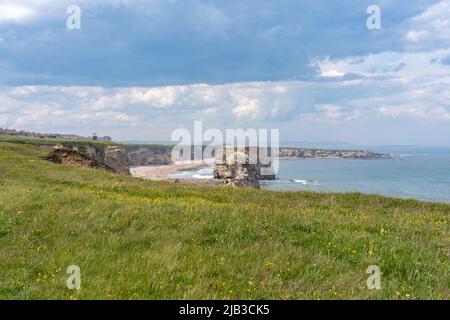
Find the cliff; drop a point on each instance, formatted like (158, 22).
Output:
(299, 153)
(146, 155)
(75, 159)
(101, 156)
(143, 155)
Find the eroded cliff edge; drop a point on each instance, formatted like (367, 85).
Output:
(109, 157)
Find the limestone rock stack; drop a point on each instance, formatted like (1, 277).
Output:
(237, 170)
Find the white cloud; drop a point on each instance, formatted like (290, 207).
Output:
(132, 111)
(59, 108)
(416, 36)
(431, 26)
(331, 73)
(20, 11)
(55, 5)
(247, 108)
(388, 63)
(418, 90)
(16, 12)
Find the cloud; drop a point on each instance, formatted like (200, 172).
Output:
(418, 92)
(429, 114)
(332, 73)
(247, 108)
(15, 12)
(416, 36)
(431, 27)
(385, 64)
(86, 109)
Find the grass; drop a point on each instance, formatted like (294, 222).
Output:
(51, 142)
(136, 239)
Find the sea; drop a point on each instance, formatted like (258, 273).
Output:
(416, 172)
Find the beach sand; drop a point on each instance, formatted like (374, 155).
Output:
(162, 173)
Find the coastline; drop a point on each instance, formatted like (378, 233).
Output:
(162, 172)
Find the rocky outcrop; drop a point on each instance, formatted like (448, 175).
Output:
(238, 171)
(237, 167)
(108, 157)
(261, 160)
(115, 157)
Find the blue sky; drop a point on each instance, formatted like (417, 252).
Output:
(140, 69)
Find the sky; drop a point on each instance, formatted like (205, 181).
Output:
(138, 70)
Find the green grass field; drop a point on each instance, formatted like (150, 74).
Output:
(136, 239)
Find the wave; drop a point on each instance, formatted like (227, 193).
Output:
(305, 182)
(206, 171)
(202, 176)
(299, 181)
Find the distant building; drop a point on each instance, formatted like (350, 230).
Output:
(104, 138)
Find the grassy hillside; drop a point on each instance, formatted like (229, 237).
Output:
(142, 239)
(51, 142)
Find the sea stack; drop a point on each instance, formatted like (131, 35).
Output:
(242, 167)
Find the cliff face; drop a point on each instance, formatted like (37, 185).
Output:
(115, 157)
(148, 155)
(294, 153)
(109, 157)
(76, 159)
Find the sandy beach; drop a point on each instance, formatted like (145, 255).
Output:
(162, 172)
